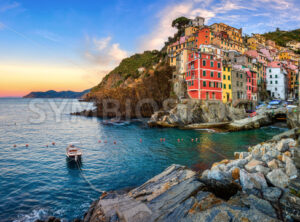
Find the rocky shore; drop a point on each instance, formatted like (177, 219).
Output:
(259, 185)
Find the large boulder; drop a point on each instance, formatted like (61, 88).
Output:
(252, 165)
(252, 180)
(278, 178)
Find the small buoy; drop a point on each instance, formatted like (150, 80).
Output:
(99, 141)
(160, 139)
(178, 140)
(181, 139)
(53, 143)
(115, 142)
(15, 145)
(27, 145)
(196, 139)
(105, 141)
(164, 139)
(46, 145)
(141, 140)
(192, 140)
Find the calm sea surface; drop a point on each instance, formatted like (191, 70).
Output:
(37, 181)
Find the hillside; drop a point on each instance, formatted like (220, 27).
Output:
(141, 76)
(55, 94)
(282, 37)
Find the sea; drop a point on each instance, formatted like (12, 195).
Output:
(37, 180)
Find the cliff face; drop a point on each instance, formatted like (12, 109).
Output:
(136, 88)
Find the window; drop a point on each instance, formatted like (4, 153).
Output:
(224, 77)
(271, 82)
(211, 74)
(204, 63)
(276, 76)
(228, 77)
(228, 69)
(270, 70)
(211, 57)
(204, 83)
(237, 75)
(237, 83)
(275, 89)
(270, 76)
(224, 86)
(229, 86)
(211, 64)
(224, 69)
(241, 75)
(219, 65)
(204, 73)
(219, 75)
(276, 82)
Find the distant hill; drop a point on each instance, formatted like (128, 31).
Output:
(282, 37)
(54, 94)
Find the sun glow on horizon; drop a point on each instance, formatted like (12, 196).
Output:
(20, 79)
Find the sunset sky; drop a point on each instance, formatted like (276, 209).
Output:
(72, 44)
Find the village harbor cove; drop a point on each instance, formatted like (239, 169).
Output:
(150, 111)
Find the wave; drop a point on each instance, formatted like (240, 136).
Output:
(39, 214)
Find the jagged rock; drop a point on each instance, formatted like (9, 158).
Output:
(235, 173)
(217, 174)
(262, 169)
(252, 164)
(261, 205)
(278, 178)
(283, 146)
(240, 163)
(273, 153)
(271, 193)
(243, 155)
(273, 164)
(252, 180)
(288, 153)
(236, 155)
(290, 168)
(266, 158)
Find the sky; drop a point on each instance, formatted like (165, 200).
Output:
(71, 44)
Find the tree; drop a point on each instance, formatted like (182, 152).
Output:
(180, 22)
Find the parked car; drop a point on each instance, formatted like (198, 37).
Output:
(274, 104)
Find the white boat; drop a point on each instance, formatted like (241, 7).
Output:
(73, 153)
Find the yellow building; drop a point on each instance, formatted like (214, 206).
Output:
(190, 30)
(252, 42)
(261, 39)
(226, 84)
(175, 48)
(234, 40)
(285, 55)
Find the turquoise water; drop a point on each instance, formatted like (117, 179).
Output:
(37, 181)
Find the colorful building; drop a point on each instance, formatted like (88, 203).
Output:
(227, 37)
(226, 84)
(203, 76)
(202, 36)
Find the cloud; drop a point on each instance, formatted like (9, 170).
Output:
(48, 35)
(102, 43)
(103, 52)
(9, 6)
(2, 26)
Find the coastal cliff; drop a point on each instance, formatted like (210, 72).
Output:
(259, 185)
(141, 77)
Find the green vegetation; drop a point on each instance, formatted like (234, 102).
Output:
(282, 37)
(180, 24)
(129, 67)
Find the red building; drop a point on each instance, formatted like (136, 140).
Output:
(251, 85)
(203, 77)
(203, 37)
